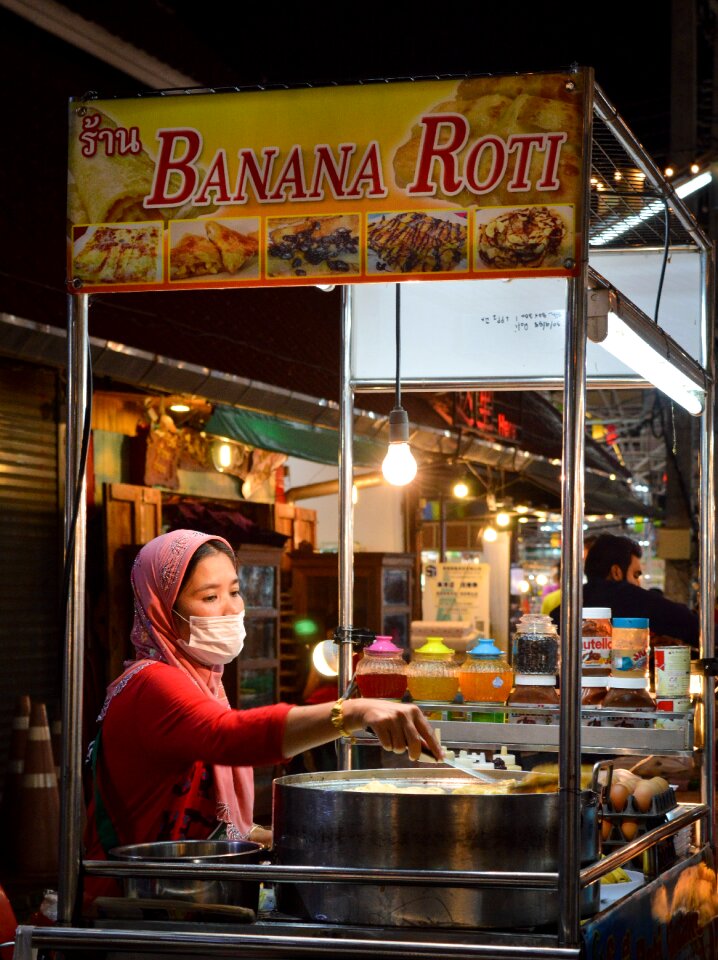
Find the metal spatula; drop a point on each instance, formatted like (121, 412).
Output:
(486, 776)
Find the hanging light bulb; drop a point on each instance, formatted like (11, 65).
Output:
(460, 489)
(399, 466)
(503, 519)
(490, 534)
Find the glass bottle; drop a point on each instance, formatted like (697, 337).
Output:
(534, 645)
(485, 675)
(381, 672)
(433, 673)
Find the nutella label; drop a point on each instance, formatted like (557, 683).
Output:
(596, 651)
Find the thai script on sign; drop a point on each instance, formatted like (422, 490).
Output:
(116, 140)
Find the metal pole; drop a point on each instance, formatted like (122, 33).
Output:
(707, 534)
(71, 763)
(278, 946)
(346, 508)
(572, 495)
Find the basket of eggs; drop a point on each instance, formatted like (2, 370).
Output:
(632, 806)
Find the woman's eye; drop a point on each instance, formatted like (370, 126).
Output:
(210, 598)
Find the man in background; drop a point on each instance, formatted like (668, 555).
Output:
(613, 579)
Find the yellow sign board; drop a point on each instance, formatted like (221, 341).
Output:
(433, 179)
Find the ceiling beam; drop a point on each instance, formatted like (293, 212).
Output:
(56, 19)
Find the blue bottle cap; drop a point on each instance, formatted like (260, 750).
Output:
(485, 648)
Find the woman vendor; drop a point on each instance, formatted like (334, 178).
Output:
(172, 760)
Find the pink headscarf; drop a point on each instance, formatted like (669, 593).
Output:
(156, 577)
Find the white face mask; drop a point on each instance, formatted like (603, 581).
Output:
(214, 640)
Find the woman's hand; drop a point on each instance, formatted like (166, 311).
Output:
(400, 727)
(259, 834)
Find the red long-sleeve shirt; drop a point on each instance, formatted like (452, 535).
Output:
(160, 738)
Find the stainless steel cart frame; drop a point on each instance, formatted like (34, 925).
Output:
(302, 940)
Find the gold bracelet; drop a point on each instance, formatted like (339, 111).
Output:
(337, 719)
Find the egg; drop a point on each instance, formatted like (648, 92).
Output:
(645, 792)
(629, 829)
(660, 785)
(619, 796)
(606, 828)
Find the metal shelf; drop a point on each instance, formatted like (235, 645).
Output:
(467, 734)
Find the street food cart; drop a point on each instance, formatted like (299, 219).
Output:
(493, 186)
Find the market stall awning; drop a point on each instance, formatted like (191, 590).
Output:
(319, 444)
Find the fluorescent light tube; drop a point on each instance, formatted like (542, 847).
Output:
(630, 348)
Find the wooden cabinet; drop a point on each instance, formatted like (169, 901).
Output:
(383, 590)
(133, 517)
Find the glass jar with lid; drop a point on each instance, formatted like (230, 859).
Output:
(485, 675)
(433, 674)
(534, 690)
(534, 646)
(593, 690)
(381, 672)
(629, 648)
(629, 695)
(596, 641)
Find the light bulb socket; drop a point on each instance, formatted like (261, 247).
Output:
(398, 426)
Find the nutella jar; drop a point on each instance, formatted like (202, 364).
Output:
(534, 690)
(629, 694)
(593, 691)
(596, 641)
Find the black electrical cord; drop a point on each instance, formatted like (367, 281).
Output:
(397, 386)
(666, 248)
(77, 496)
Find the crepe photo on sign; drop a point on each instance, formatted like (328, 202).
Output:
(417, 242)
(313, 246)
(218, 250)
(502, 107)
(516, 238)
(107, 186)
(121, 253)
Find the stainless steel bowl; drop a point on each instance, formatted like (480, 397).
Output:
(238, 893)
(320, 820)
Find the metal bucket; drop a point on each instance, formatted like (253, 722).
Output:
(320, 821)
(238, 893)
